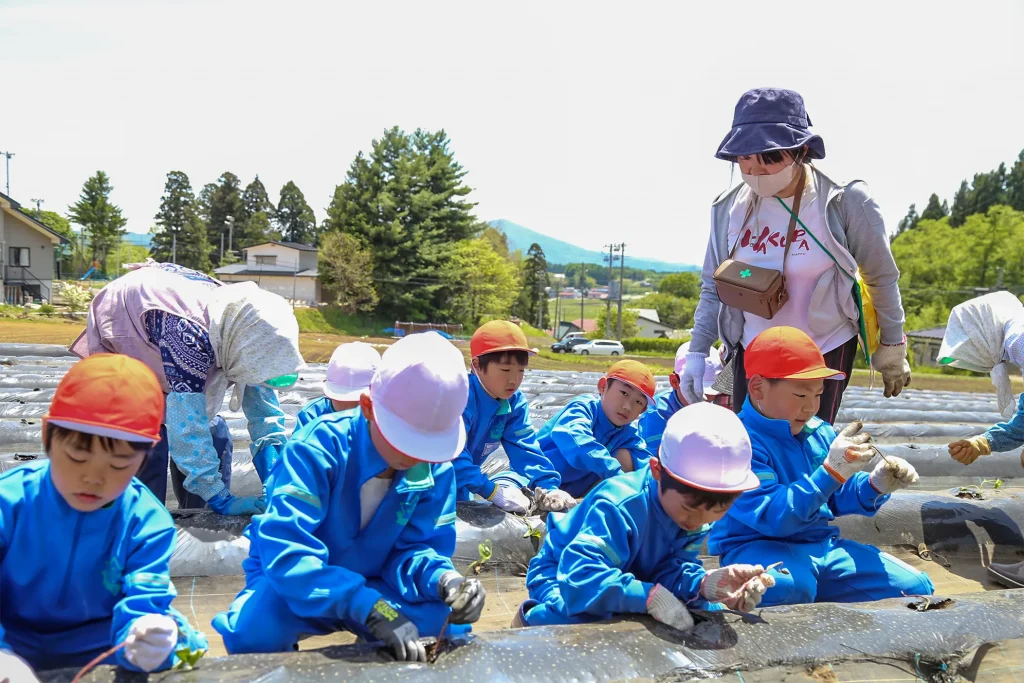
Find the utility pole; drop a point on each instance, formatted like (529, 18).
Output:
(622, 275)
(608, 299)
(583, 290)
(39, 207)
(230, 220)
(8, 155)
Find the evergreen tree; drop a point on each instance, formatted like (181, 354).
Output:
(909, 222)
(295, 220)
(963, 205)
(405, 202)
(253, 226)
(178, 215)
(1015, 184)
(535, 283)
(346, 271)
(989, 189)
(102, 221)
(934, 211)
(225, 199)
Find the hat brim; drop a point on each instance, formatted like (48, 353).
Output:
(650, 399)
(749, 483)
(817, 373)
(503, 349)
(749, 139)
(340, 393)
(433, 447)
(102, 430)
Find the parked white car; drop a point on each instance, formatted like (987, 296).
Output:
(600, 347)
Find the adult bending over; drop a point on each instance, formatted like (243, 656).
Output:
(789, 217)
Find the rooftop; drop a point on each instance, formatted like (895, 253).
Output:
(290, 245)
(930, 333)
(261, 269)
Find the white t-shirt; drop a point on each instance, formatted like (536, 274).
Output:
(763, 244)
(370, 497)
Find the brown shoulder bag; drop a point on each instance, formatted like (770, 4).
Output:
(761, 291)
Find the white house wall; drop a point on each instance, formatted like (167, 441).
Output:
(17, 233)
(286, 257)
(302, 288)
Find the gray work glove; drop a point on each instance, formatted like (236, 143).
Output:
(892, 474)
(691, 382)
(555, 500)
(465, 597)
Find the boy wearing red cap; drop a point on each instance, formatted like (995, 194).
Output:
(84, 547)
(631, 546)
(809, 475)
(497, 414)
(360, 526)
(595, 438)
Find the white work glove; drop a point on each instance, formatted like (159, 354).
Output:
(691, 382)
(849, 453)
(668, 609)
(555, 500)
(737, 586)
(896, 473)
(510, 499)
(14, 669)
(967, 451)
(891, 361)
(151, 638)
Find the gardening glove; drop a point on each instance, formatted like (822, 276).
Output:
(464, 596)
(891, 361)
(967, 451)
(226, 504)
(691, 382)
(510, 499)
(390, 626)
(668, 609)
(265, 421)
(555, 500)
(849, 453)
(150, 641)
(738, 586)
(896, 473)
(14, 669)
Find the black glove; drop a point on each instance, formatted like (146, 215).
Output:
(464, 596)
(387, 624)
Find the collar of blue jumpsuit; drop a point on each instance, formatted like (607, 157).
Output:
(602, 425)
(371, 463)
(476, 388)
(661, 517)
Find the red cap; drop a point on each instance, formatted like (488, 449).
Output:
(496, 336)
(109, 395)
(636, 375)
(786, 353)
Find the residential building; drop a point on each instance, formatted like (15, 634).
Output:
(924, 345)
(565, 327)
(650, 324)
(286, 268)
(28, 255)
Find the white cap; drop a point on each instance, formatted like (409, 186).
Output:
(350, 371)
(712, 366)
(419, 392)
(706, 446)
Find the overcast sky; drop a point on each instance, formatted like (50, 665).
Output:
(588, 122)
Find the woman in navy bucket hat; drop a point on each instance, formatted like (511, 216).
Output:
(838, 231)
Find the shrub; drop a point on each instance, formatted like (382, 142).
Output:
(666, 346)
(47, 310)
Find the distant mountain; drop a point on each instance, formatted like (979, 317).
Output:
(557, 251)
(139, 239)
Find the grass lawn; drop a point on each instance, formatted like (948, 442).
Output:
(317, 348)
(569, 309)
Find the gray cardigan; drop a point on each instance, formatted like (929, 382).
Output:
(857, 228)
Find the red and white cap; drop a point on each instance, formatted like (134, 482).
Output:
(712, 367)
(706, 446)
(109, 395)
(497, 336)
(350, 371)
(419, 392)
(635, 374)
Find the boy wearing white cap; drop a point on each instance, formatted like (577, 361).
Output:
(348, 376)
(668, 403)
(631, 546)
(358, 533)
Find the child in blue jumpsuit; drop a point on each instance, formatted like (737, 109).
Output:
(667, 403)
(809, 476)
(85, 547)
(348, 376)
(360, 525)
(498, 414)
(592, 439)
(631, 546)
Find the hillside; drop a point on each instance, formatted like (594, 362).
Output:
(557, 251)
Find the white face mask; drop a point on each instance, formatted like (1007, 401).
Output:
(770, 185)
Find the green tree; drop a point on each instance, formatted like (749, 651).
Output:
(533, 301)
(62, 226)
(131, 253)
(253, 226)
(1015, 184)
(629, 326)
(479, 281)
(405, 201)
(682, 285)
(934, 211)
(295, 219)
(674, 311)
(178, 216)
(346, 271)
(908, 222)
(963, 205)
(498, 240)
(102, 221)
(217, 202)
